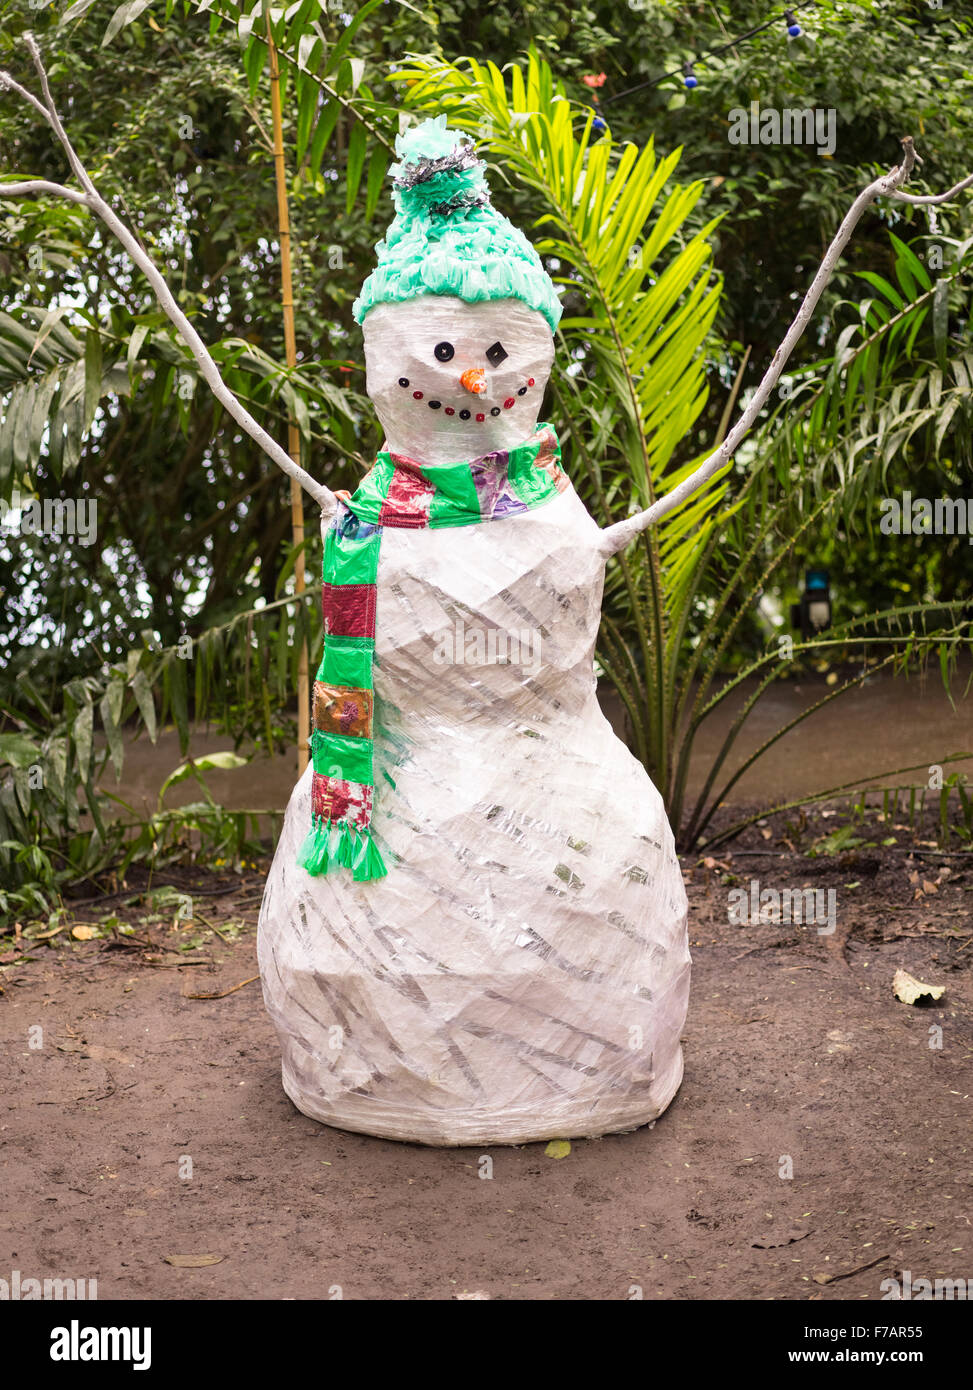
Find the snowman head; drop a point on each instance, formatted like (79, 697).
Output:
(458, 316)
(451, 380)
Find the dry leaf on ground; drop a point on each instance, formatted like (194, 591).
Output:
(912, 991)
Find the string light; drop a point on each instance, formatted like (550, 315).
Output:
(686, 71)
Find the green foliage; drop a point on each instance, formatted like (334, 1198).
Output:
(889, 411)
(666, 283)
(637, 352)
(885, 69)
(172, 137)
(58, 821)
(630, 377)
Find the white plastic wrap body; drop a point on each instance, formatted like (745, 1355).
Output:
(522, 973)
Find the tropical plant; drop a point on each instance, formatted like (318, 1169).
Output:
(323, 68)
(59, 821)
(632, 380)
(182, 156)
(892, 403)
(86, 368)
(633, 249)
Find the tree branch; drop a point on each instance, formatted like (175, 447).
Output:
(615, 537)
(34, 186)
(921, 200)
(91, 199)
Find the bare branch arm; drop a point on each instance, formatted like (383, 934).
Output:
(32, 187)
(615, 537)
(920, 200)
(91, 199)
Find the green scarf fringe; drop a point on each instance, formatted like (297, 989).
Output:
(341, 845)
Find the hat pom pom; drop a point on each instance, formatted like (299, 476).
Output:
(438, 173)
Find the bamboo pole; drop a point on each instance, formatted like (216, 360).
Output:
(290, 352)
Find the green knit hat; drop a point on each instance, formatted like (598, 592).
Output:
(446, 238)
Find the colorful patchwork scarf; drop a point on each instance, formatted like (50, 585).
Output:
(397, 492)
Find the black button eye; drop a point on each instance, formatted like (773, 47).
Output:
(495, 355)
(444, 352)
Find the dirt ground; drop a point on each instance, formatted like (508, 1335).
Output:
(820, 1143)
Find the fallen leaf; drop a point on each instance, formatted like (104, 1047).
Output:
(193, 1261)
(928, 886)
(558, 1148)
(83, 933)
(912, 991)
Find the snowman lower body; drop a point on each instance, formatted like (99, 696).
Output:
(522, 973)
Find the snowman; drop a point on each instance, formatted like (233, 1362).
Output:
(474, 928)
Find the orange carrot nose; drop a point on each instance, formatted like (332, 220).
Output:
(474, 379)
